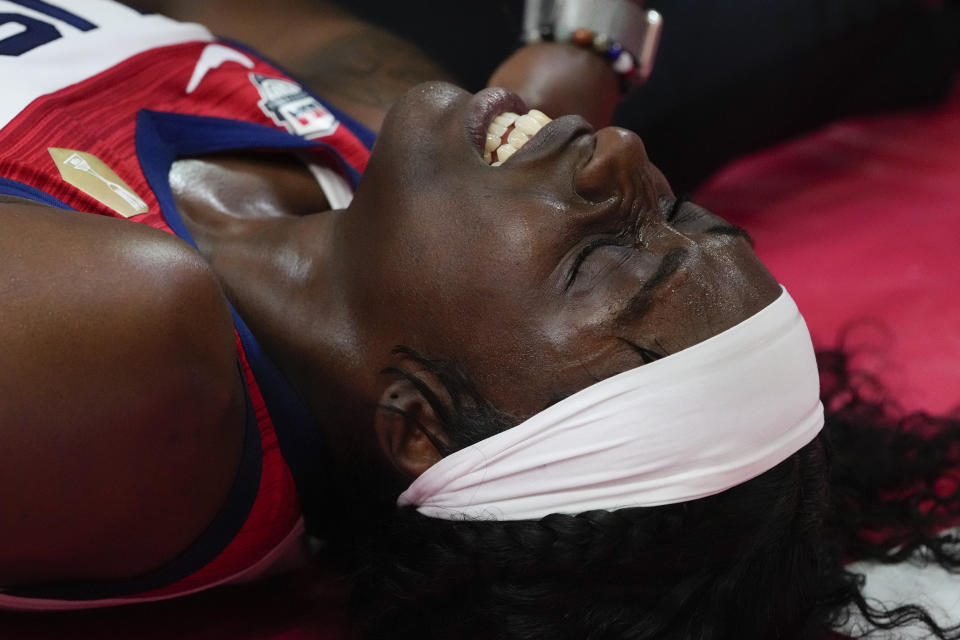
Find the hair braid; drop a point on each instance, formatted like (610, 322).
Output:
(761, 560)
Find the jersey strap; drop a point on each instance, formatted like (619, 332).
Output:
(16, 189)
(163, 137)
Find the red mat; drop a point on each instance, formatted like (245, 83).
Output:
(861, 222)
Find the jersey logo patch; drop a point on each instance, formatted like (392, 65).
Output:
(88, 173)
(289, 106)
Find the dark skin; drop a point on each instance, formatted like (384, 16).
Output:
(105, 476)
(85, 431)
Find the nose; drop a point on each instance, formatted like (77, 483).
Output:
(619, 167)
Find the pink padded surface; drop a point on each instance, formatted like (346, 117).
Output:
(861, 222)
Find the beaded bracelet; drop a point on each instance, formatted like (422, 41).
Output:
(622, 31)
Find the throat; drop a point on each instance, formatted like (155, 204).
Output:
(225, 200)
(262, 223)
(245, 186)
(265, 227)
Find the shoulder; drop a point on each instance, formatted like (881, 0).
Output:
(124, 418)
(114, 278)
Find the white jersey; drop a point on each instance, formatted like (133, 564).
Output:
(46, 46)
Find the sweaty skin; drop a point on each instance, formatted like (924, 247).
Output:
(94, 415)
(485, 266)
(121, 408)
(483, 278)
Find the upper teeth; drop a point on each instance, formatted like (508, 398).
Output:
(508, 132)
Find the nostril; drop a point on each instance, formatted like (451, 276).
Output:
(618, 164)
(590, 181)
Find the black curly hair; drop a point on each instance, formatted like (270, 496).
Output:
(762, 560)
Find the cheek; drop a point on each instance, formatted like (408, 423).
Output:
(482, 262)
(457, 307)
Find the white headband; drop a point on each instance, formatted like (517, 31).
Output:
(693, 424)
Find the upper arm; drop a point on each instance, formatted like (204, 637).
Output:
(119, 396)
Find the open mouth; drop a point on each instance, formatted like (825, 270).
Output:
(508, 132)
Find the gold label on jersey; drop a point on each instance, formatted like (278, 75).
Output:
(88, 173)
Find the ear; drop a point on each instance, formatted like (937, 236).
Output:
(402, 423)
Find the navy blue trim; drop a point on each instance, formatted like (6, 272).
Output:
(56, 12)
(208, 546)
(168, 136)
(161, 139)
(19, 190)
(365, 135)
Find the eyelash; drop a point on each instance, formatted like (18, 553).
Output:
(646, 355)
(676, 208)
(621, 240)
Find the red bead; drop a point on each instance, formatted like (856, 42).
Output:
(583, 37)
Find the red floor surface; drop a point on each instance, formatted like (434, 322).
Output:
(861, 222)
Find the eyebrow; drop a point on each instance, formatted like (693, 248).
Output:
(721, 228)
(639, 303)
(727, 229)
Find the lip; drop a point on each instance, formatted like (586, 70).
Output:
(557, 133)
(484, 107)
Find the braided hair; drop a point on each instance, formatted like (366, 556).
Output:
(762, 560)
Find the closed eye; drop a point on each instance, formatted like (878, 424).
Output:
(680, 214)
(646, 355)
(619, 240)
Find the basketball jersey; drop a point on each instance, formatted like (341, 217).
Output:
(96, 103)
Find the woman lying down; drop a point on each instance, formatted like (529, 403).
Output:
(495, 362)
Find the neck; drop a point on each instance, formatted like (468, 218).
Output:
(281, 271)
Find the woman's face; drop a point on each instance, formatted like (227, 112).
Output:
(539, 277)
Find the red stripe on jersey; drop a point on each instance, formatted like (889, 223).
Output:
(273, 515)
(98, 116)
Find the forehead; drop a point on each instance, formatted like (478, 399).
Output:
(524, 359)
